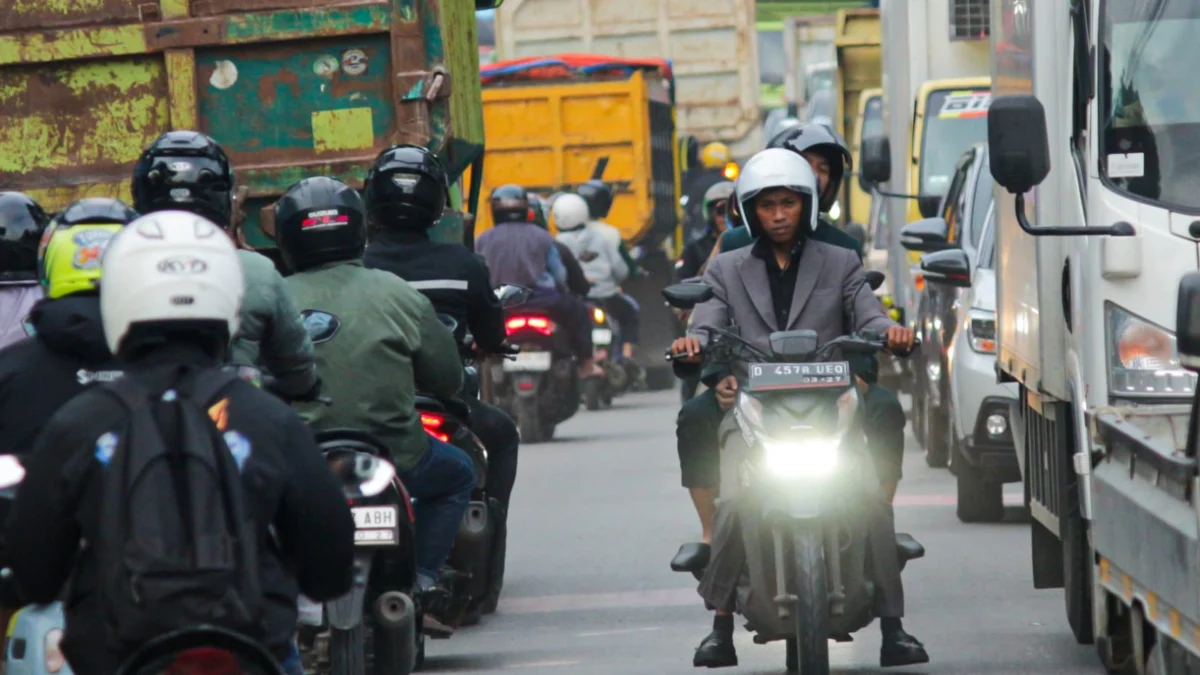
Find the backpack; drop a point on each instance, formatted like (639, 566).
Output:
(177, 545)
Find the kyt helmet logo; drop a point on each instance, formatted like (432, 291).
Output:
(182, 265)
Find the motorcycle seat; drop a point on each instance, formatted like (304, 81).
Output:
(908, 548)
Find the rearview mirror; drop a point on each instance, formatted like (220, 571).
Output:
(949, 268)
(1018, 152)
(487, 4)
(687, 296)
(875, 279)
(930, 234)
(511, 295)
(1187, 322)
(876, 161)
(927, 205)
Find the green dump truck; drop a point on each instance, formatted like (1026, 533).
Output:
(290, 88)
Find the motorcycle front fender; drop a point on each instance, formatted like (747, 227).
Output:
(793, 503)
(346, 612)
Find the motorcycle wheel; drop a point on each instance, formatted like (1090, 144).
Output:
(347, 651)
(592, 393)
(808, 652)
(529, 419)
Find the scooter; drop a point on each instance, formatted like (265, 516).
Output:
(805, 478)
(385, 635)
(599, 391)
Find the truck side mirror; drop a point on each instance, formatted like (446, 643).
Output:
(949, 268)
(927, 205)
(930, 234)
(487, 4)
(876, 161)
(1018, 151)
(1187, 321)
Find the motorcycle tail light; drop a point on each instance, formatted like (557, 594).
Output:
(205, 661)
(536, 323)
(433, 424)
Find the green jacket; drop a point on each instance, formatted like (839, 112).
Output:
(378, 342)
(271, 331)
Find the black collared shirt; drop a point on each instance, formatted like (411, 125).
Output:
(781, 281)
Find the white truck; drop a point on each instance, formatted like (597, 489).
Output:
(808, 43)
(713, 48)
(1094, 148)
(924, 41)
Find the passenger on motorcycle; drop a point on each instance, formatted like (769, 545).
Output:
(454, 278)
(67, 352)
(697, 180)
(577, 282)
(289, 493)
(599, 258)
(187, 170)
(22, 222)
(378, 343)
(521, 253)
(789, 280)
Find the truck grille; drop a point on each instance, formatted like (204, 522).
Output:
(969, 20)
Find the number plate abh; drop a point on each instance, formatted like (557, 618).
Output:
(784, 376)
(375, 525)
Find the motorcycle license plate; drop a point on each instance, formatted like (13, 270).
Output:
(375, 525)
(601, 336)
(529, 361)
(787, 376)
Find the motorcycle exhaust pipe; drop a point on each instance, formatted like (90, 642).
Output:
(396, 614)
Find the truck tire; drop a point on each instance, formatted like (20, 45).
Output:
(808, 651)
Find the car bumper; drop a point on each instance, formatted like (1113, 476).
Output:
(993, 453)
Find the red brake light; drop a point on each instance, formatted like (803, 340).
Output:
(432, 423)
(538, 323)
(205, 661)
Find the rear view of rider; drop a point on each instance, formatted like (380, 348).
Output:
(22, 222)
(188, 171)
(378, 342)
(68, 351)
(600, 260)
(519, 252)
(283, 523)
(454, 278)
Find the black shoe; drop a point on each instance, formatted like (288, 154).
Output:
(716, 651)
(691, 558)
(901, 649)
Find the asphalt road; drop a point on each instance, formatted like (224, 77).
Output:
(598, 514)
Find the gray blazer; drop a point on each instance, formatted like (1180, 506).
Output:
(823, 300)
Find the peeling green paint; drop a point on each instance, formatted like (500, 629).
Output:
(284, 25)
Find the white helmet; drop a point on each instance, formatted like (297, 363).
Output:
(169, 266)
(570, 212)
(777, 168)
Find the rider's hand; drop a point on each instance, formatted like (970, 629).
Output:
(727, 392)
(687, 345)
(899, 338)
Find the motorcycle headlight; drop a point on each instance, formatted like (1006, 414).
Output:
(1143, 360)
(981, 329)
(810, 458)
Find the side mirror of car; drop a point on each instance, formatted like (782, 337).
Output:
(1187, 321)
(930, 234)
(687, 296)
(1018, 150)
(949, 268)
(876, 161)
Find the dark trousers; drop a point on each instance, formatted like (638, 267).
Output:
(499, 435)
(627, 314)
(441, 483)
(570, 310)
(699, 448)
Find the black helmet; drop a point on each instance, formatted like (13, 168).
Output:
(537, 210)
(407, 188)
(22, 222)
(188, 171)
(320, 220)
(510, 204)
(599, 198)
(820, 139)
(96, 210)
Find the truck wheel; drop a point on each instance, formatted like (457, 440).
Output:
(979, 501)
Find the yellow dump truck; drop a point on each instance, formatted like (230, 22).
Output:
(550, 122)
(859, 52)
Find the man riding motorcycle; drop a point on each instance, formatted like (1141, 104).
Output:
(378, 342)
(289, 494)
(696, 182)
(22, 222)
(599, 198)
(599, 258)
(519, 252)
(454, 278)
(788, 281)
(67, 352)
(577, 282)
(188, 171)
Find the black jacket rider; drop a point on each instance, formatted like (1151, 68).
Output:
(453, 277)
(39, 374)
(293, 499)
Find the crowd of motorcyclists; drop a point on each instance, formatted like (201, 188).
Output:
(116, 322)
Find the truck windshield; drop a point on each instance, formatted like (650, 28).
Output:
(1152, 104)
(954, 121)
(820, 80)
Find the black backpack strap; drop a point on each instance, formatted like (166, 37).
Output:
(131, 393)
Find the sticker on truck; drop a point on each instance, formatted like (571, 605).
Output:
(965, 104)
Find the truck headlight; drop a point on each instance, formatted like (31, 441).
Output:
(1143, 360)
(811, 458)
(981, 329)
